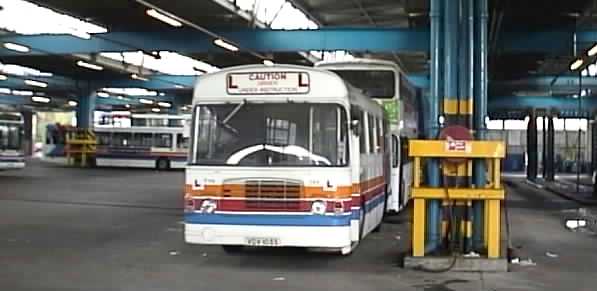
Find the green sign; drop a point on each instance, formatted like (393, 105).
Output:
(391, 109)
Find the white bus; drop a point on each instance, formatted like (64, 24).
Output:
(283, 156)
(385, 82)
(12, 154)
(131, 140)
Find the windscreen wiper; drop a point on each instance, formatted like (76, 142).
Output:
(234, 111)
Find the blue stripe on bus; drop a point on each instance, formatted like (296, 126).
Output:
(369, 205)
(139, 157)
(269, 219)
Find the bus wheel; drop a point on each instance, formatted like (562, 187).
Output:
(232, 249)
(162, 164)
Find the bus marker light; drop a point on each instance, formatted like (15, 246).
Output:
(208, 206)
(318, 207)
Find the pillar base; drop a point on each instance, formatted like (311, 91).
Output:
(461, 265)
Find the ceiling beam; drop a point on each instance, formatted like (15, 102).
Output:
(555, 42)
(263, 40)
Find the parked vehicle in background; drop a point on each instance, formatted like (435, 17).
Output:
(12, 154)
(385, 82)
(130, 140)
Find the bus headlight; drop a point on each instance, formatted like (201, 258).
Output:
(318, 207)
(208, 206)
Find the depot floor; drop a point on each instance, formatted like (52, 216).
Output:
(119, 229)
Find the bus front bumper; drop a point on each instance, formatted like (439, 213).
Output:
(268, 235)
(12, 165)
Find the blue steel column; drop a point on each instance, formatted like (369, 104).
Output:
(550, 149)
(480, 107)
(85, 110)
(433, 210)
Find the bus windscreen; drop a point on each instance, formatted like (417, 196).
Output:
(375, 83)
(270, 135)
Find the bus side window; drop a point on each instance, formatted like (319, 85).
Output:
(380, 135)
(364, 134)
(162, 140)
(404, 149)
(395, 151)
(371, 133)
(121, 139)
(182, 142)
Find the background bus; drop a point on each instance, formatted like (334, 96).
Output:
(12, 155)
(385, 82)
(284, 156)
(130, 140)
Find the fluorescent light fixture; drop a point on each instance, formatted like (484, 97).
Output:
(163, 17)
(22, 93)
(103, 94)
(170, 63)
(592, 51)
(40, 99)
(3, 77)
(45, 74)
(179, 86)
(72, 103)
(576, 64)
(4, 91)
(268, 63)
(89, 66)
(137, 77)
(155, 109)
(16, 47)
(130, 91)
(162, 94)
(592, 70)
(164, 104)
(36, 83)
(145, 101)
(223, 44)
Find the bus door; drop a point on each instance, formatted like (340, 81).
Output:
(394, 200)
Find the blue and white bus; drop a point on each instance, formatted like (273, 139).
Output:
(11, 141)
(130, 140)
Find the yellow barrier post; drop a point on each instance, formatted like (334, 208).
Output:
(492, 193)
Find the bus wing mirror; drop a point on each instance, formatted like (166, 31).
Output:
(355, 126)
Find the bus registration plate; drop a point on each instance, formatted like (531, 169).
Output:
(262, 241)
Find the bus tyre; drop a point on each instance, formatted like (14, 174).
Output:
(162, 164)
(232, 249)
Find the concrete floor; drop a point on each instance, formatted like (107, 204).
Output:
(119, 229)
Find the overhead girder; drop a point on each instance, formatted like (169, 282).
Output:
(379, 40)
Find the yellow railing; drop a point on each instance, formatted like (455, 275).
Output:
(492, 193)
(80, 146)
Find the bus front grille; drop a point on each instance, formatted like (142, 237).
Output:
(272, 194)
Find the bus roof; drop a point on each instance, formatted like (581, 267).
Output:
(322, 85)
(356, 62)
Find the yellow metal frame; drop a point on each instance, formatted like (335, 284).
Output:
(491, 194)
(81, 144)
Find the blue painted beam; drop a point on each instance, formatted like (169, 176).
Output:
(497, 103)
(263, 40)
